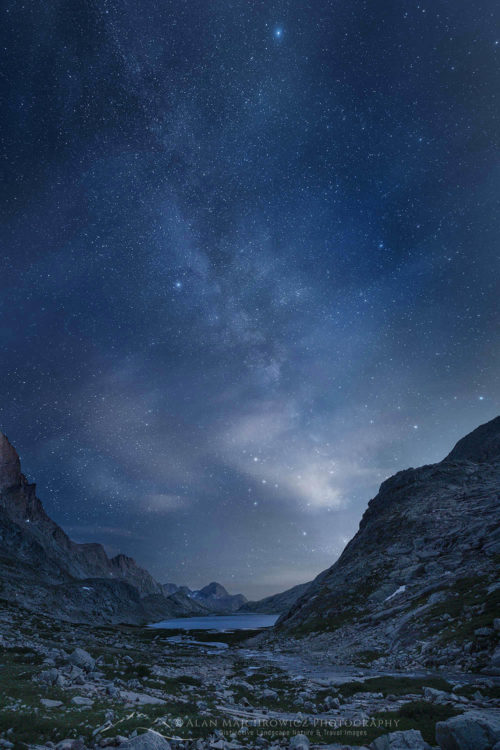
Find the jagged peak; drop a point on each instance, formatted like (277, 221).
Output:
(482, 445)
(10, 465)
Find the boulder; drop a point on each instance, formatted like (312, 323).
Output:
(50, 676)
(83, 659)
(470, 731)
(49, 703)
(409, 740)
(151, 740)
(81, 700)
(484, 632)
(435, 696)
(299, 742)
(269, 693)
(495, 659)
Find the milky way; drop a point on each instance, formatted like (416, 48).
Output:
(248, 267)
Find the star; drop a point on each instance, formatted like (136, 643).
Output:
(278, 32)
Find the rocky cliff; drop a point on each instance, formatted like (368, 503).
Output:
(20, 504)
(418, 583)
(43, 569)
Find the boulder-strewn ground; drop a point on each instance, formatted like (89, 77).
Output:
(75, 686)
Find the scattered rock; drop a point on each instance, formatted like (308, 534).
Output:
(409, 740)
(48, 703)
(140, 698)
(82, 659)
(151, 740)
(269, 693)
(470, 731)
(49, 676)
(70, 744)
(81, 700)
(299, 742)
(435, 696)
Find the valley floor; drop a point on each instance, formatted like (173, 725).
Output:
(76, 686)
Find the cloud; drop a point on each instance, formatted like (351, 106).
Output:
(316, 469)
(99, 531)
(162, 503)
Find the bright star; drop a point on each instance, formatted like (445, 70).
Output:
(178, 284)
(278, 32)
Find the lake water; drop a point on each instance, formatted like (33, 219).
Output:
(218, 622)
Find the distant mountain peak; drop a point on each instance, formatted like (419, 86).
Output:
(214, 589)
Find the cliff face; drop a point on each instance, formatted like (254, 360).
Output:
(20, 504)
(419, 577)
(10, 465)
(43, 569)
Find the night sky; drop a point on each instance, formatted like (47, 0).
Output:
(249, 256)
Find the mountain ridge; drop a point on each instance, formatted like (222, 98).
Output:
(213, 597)
(43, 569)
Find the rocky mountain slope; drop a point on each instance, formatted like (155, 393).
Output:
(43, 569)
(277, 603)
(21, 506)
(418, 583)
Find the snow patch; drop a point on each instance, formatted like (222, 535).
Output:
(398, 591)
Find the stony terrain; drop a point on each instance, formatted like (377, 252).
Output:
(418, 584)
(76, 686)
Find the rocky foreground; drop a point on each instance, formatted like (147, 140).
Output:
(76, 686)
